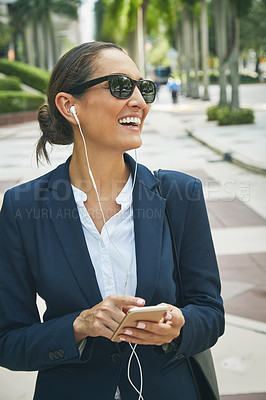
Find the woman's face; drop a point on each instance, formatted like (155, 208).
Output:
(100, 114)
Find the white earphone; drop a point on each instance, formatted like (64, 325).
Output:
(133, 347)
(73, 111)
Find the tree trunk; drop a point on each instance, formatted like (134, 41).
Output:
(187, 42)
(36, 44)
(132, 46)
(50, 26)
(25, 48)
(144, 18)
(29, 44)
(234, 59)
(221, 46)
(140, 42)
(179, 48)
(45, 38)
(204, 48)
(196, 57)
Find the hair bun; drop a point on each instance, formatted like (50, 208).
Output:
(54, 131)
(45, 122)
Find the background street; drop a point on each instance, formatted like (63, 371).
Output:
(235, 199)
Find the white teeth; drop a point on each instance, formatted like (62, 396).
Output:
(128, 120)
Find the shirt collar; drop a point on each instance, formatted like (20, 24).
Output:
(124, 198)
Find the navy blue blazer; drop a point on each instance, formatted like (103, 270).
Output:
(43, 250)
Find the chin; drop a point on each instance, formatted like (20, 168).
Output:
(135, 145)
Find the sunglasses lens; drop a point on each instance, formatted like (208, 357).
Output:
(121, 87)
(148, 90)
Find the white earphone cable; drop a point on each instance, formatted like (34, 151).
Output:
(133, 347)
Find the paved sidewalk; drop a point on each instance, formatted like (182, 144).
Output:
(244, 145)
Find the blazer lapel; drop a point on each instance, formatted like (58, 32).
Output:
(66, 222)
(149, 209)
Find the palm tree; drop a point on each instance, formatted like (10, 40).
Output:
(195, 30)
(36, 16)
(221, 46)
(237, 8)
(204, 47)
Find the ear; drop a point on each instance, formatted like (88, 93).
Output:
(63, 102)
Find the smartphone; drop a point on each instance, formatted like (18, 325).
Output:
(150, 313)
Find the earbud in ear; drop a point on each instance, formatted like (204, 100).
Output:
(73, 111)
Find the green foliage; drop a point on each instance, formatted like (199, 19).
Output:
(30, 10)
(244, 78)
(10, 83)
(30, 75)
(158, 54)
(12, 101)
(212, 112)
(5, 33)
(253, 28)
(225, 116)
(236, 116)
(242, 7)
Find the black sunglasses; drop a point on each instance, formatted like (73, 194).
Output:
(121, 87)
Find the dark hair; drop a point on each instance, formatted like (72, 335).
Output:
(75, 67)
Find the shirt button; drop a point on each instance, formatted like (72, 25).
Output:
(116, 358)
(102, 244)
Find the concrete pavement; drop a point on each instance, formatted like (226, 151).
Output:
(244, 145)
(235, 200)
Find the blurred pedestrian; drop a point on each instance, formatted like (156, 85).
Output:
(174, 88)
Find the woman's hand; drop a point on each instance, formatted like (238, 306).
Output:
(104, 318)
(156, 333)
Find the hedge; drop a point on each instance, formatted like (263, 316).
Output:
(16, 101)
(32, 76)
(236, 116)
(212, 112)
(243, 78)
(10, 83)
(225, 116)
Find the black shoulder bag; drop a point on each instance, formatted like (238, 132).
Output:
(201, 365)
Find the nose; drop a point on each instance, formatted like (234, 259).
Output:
(137, 100)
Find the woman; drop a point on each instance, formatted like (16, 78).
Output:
(91, 239)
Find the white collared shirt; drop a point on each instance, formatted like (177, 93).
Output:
(113, 256)
(112, 251)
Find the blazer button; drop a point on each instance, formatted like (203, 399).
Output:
(51, 356)
(61, 353)
(116, 358)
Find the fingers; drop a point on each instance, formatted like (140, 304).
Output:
(104, 318)
(146, 332)
(126, 301)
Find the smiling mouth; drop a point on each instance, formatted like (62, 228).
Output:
(130, 121)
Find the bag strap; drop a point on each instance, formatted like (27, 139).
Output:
(201, 358)
(177, 271)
